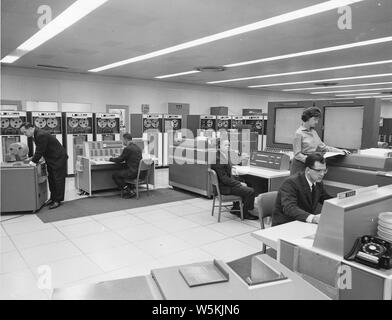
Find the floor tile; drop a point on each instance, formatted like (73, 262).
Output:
(69, 270)
(44, 254)
(156, 215)
(175, 224)
(200, 236)
(69, 222)
(161, 246)
(184, 210)
(205, 218)
(6, 219)
(6, 245)
(11, 262)
(140, 232)
(103, 216)
(232, 228)
(184, 257)
(228, 249)
(37, 238)
(25, 227)
(122, 222)
(119, 257)
(21, 285)
(82, 229)
(98, 242)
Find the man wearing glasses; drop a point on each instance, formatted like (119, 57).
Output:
(300, 193)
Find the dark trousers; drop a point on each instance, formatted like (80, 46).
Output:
(56, 179)
(119, 177)
(248, 197)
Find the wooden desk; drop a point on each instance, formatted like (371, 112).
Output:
(288, 231)
(274, 178)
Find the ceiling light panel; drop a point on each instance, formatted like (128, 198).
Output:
(343, 86)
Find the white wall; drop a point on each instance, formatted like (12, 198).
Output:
(386, 109)
(42, 85)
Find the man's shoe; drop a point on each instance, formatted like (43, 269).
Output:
(129, 195)
(250, 217)
(54, 205)
(49, 202)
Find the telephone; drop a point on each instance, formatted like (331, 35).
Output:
(372, 251)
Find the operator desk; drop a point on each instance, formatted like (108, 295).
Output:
(168, 284)
(266, 172)
(316, 252)
(95, 175)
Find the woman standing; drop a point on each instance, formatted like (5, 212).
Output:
(307, 141)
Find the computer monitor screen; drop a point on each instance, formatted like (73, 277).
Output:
(343, 126)
(287, 121)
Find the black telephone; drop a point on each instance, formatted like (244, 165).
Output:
(372, 251)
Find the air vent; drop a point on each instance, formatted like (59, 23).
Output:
(210, 69)
(51, 67)
(326, 84)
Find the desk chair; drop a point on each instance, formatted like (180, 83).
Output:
(143, 176)
(223, 199)
(266, 204)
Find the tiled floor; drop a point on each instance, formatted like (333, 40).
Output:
(37, 256)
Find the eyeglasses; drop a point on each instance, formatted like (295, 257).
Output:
(324, 171)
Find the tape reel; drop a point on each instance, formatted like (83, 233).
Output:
(112, 123)
(73, 123)
(83, 123)
(40, 122)
(5, 123)
(102, 123)
(16, 123)
(52, 123)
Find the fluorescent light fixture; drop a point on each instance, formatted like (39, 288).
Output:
(290, 16)
(358, 65)
(373, 96)
(322, 80)
(177, 74)
(68, 17)
(342, 86)
(9, 59)
(356, 94)
(358, 90)
(310, 52)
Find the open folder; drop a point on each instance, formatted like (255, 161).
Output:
(202, 274)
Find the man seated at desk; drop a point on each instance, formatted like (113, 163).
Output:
(230, 186)
(131, 155)
(300, 193)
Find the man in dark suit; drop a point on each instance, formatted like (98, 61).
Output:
(131, 155)
(300, 193)
(230, 186)
(48, 147)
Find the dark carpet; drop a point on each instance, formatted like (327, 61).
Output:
(103, 204)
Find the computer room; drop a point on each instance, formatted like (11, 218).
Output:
(196, 150)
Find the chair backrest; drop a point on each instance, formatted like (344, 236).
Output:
(145, 165)
(266, 203)
(214, 180)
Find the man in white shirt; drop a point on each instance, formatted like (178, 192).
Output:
(300, 194)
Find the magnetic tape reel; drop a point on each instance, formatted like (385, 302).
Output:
(5, 123)
(209, 123)
(83, 123)
(147, 123)
(155, 123)
(16, 123)
(174, 124)
(73, 123)
(112, 123)
(102, 123)
(40, 122)
(258, 125)
(52, 123)
(225, 124)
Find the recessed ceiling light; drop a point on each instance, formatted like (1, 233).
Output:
(176, 74)
(343, 86)
(356, 94)
(312, 81)
(290, 16)
(68, 17)
(305, 71)
(358, 90)
(310, 52)
(373, 96)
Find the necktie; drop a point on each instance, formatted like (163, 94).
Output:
(313, 193)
